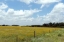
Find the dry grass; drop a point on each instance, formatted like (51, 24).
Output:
(28, 31)
(11, 32)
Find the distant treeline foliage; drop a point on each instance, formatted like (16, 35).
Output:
(50, 25)
(36, 26)
(61, 24)
(15, 25)
(8, 25)
(4, 25)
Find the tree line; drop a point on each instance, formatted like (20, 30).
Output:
(8, 25)
(61, 24)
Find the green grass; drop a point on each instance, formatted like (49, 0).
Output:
(56, 36)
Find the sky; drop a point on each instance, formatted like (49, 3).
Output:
(31, 12)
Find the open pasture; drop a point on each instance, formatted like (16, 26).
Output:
(13, 33)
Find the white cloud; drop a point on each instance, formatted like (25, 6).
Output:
(26, 13)
(22, 13)
(46, 2)
(42, 2)
(56, 15)
(10, 11)
(22, 17)
(3, 6)
(15, 16)
(27, 1)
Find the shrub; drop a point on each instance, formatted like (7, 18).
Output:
(15, 25)
(59, 35)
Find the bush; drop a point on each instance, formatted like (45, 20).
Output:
(15, 25)
(59, 35)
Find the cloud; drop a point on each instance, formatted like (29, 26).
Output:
(22, 17)
(22, 13)
(46, 2)
(3, 6)
(27, 1)
(42, 2)
(11, 15)
(56, 15)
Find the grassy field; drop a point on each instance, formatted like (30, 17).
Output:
(56, 36)
(20, 34)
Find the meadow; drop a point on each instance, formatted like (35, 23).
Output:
(22, 34)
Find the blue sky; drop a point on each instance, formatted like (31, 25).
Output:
(31, 12)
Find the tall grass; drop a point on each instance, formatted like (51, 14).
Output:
(18, 34)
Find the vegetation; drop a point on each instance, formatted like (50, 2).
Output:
(56, 36)
(22, 34)
(4, 25)
(15, 25)
(61, 24)
(48, 32)
(53, 24)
